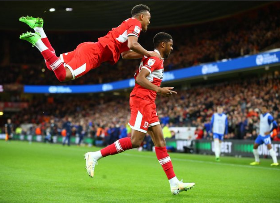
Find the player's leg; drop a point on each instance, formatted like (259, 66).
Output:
(272, 152)
(257, 143)
(138, 133)
(118, 146)
(220, 145)
(69, 140)
(176, 186)
(216, 146)
(37, 25)
(87, 56)
(55, 63)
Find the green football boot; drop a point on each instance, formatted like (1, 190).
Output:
(255, 163)
(30, 37)
(31, 21)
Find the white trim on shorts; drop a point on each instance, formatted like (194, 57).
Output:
(154, 124)
(69, 67)
(138, 129)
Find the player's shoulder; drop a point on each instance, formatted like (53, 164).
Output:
(269, 115)
(151, 61)
(132, 21)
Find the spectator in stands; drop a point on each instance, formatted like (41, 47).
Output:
(68, 127)
(166, 131)
(199, 133)
(123, 131)
(80, 131)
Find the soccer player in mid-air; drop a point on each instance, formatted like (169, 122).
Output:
(143, 116)
(90, 55)
(267, 125)
(219, 128)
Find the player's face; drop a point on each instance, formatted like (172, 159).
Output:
(168, 48)
(220, 109)
(264, 109)
(146, 17)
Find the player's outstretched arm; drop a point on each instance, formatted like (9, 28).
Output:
(136, 47)
(144, 82)
(131, 55)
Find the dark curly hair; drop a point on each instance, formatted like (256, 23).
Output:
(139, 9)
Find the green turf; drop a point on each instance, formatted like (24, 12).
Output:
(39, 172)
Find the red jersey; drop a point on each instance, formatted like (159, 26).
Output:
(116, 39)
(155, 66)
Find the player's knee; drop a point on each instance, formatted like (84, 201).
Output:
(67, 78)
(136, 142)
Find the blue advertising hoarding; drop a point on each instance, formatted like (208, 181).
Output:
(266, 58)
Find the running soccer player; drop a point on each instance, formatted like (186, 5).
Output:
(143, 116)
(219, 128)
(90, 55)
(267, 125)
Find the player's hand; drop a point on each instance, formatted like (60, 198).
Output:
(267, 133)
(154, 54)
(167, 91)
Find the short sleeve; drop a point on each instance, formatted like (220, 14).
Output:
(150, 64)
(134, 27)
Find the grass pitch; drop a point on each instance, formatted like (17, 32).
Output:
(39, 172)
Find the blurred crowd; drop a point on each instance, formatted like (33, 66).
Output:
(247, 33)
(105, 118)
(193, 107)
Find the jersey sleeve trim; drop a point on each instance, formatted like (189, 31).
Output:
(132, 34)
(147, 69)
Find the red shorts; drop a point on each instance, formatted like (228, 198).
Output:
(143, 114)
(86, 56)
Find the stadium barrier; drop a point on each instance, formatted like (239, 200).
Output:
(55, 139)
(238, 148)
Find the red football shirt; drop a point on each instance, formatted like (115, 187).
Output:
(116, 39)
(155, 66)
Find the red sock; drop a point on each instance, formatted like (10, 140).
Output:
(117, 147)
(165, 161)
(55, 64)
(48, 44)
(48, 65)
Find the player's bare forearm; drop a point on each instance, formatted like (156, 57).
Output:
(144, 82)
(131, 55)
(133, 45)
(136, 47)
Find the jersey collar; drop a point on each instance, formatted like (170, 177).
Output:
(155, 50)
